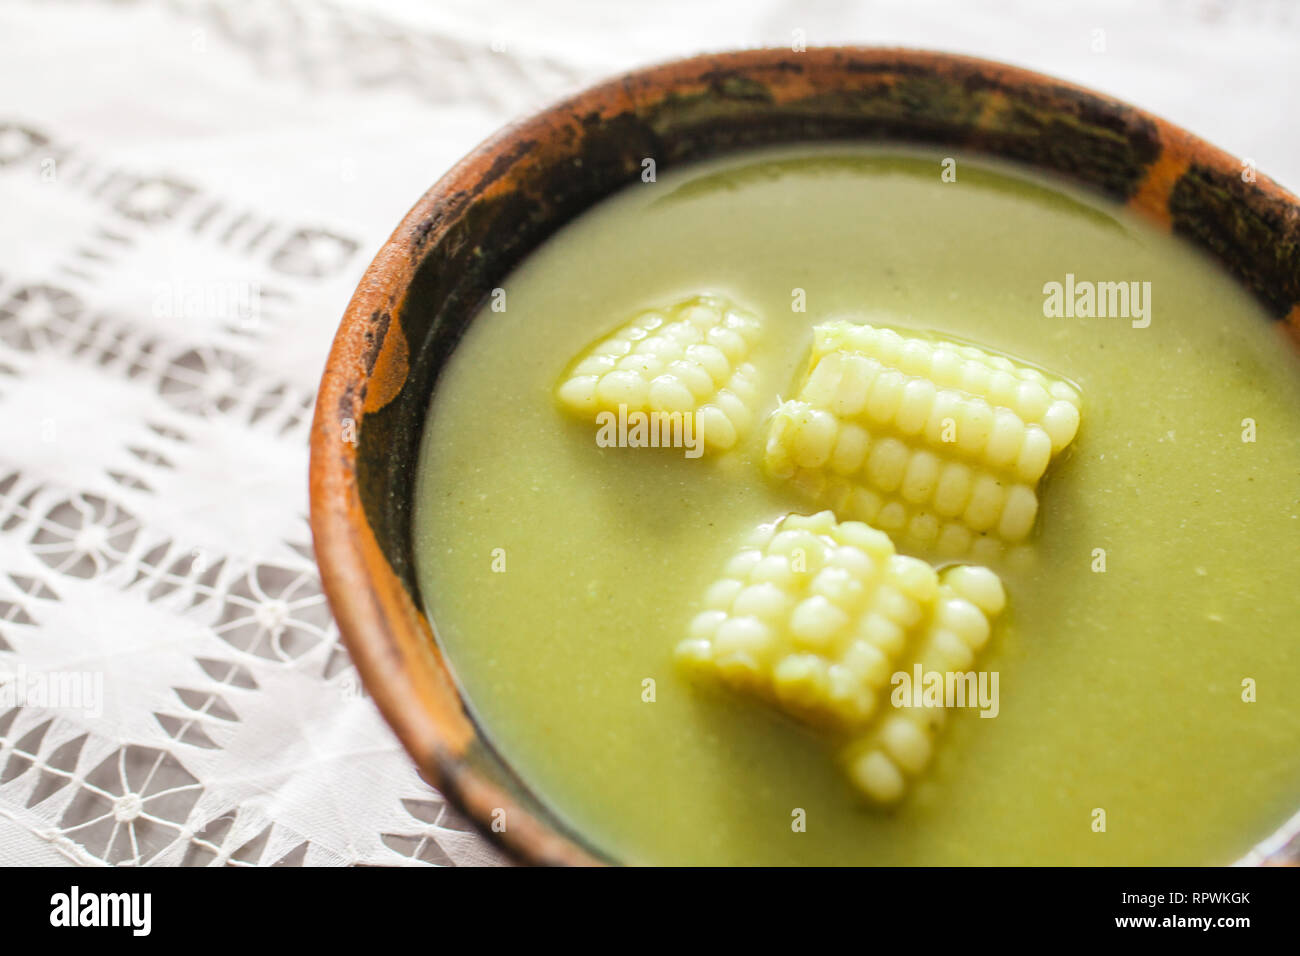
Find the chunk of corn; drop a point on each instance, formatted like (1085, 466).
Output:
(813, 615)
(899, 747)
(688, 360)
(935, 442)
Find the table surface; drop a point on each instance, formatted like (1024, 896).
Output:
(190, 191)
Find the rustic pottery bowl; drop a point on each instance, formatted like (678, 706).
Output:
(512, 192)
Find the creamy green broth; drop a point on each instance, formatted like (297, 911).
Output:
(1120, 690)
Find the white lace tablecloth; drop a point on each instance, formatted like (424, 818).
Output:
(189, 190)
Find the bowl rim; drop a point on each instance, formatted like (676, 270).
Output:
(388, 637)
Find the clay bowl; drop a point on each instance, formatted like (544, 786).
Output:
(467, 232)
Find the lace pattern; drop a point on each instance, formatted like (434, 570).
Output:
(190, 191)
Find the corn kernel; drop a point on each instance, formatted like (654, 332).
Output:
(906, 743)
(1018, 513)
(579, 393)
(851, 445)
(951, 651)
(867, 661)
(715, 429)
(898, 607)
(705, 624)
(722, 594)
(881, 632)
(985, 503)
(712, 361)
(892, 516)
(953, 490)
(974, 425)
(923, 530)
(695, 653)
(1061, 421)
(954, 540)
(814, 437)
(886, 463)
(855, 379)
(694, 377)
(878, 777)
(865, 504)
(764, 601)
(839, 586)
(913, 578)
(921, 477)
(884, 395)
(978, 585)
(964, 619)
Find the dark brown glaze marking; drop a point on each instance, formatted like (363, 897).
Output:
(1255, 235)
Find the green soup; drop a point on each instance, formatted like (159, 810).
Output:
(1156, 684)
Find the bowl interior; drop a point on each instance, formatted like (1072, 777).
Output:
(473, 227)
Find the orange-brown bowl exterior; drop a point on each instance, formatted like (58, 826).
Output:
(513, 191)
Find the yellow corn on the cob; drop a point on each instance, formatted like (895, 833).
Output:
(687, 359)
(812, 615)
(934, 441)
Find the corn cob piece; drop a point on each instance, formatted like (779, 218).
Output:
(937, 442)
(900, 746)
(812, 615)
(686, 360)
